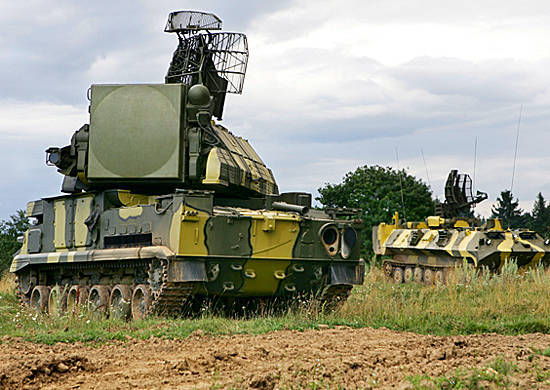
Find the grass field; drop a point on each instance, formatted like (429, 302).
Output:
(471, 302)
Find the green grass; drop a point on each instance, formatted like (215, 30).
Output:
(498, 374)
(472, 302)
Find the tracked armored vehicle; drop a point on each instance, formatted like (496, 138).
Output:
(163, 205)
(426, 251)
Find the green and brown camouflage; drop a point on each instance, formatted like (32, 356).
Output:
(164, 204)
(426, 251)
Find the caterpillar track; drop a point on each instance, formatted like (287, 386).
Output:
(151, 293)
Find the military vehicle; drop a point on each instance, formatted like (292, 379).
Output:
(164, 205)
(426, 251)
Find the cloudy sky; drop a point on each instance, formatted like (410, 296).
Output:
(331, 85)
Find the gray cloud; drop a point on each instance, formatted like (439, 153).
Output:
(315, 106)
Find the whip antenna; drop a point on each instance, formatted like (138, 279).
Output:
(400, 183)
(475, 162)
(426, 167)
(516, 149)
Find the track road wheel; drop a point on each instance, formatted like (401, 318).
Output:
(39, 298)
(428, 276)
(120, 302)
(57, 301)
(418, 275)
(141, 301)
(408, 275)
(98, 300)
(439, 277)
(77, 297)
(397, 275)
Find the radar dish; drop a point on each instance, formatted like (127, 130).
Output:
(222, 65)
(189, 21)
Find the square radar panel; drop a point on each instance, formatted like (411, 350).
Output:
(136, 131)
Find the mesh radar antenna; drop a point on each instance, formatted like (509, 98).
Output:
(216, 59)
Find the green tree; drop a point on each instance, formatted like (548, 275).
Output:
(507, 210)
(540, 216)
(10, 229)
(377, 192)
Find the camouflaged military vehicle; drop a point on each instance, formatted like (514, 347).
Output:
(163, 204)
(426, 251)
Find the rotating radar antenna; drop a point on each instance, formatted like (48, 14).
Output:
(216, 59)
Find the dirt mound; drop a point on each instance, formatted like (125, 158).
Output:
(39, 371)
(350, 358)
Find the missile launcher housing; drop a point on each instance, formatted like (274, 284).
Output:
(426, 251)
(163, 205)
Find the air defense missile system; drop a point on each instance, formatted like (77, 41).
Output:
(426, 251)
(163, 205)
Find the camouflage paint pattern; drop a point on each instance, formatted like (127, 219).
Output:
(243, 252)
(444, 243)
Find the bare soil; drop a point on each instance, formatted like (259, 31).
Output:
(342, 357)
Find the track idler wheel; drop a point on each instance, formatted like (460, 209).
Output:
(39, 298)
(397, 275)
(141, 301)
(120, 302)
(57, 301)
(387, 268)
(98, 300)
(77, 297)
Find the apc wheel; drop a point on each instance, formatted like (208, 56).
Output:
(77, 297)
(397, 275)
(408, 275)
(439, 277)
(98, 300)
(39, 298)
(418, 275)
(120, 302)
(428, 276)
(57, 300)
(141, 301)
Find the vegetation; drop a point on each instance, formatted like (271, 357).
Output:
(379, 192)
(472, 302)
(14, 227)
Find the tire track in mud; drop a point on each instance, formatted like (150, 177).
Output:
(351, 358)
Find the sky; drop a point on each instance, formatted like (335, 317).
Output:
(330, 86)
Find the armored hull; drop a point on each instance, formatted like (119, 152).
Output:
(427, 251)
(172, 247)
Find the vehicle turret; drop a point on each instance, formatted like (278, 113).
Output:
(162, 137)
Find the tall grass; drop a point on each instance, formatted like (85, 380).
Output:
(7, 283)
(472, 301)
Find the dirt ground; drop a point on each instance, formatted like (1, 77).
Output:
(331, 358)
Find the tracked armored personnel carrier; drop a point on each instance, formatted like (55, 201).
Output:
(163, 205)
(426, 251)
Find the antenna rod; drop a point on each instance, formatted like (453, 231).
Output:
(426, 167)
(475, 162)
(516, 151)
(400, 183)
